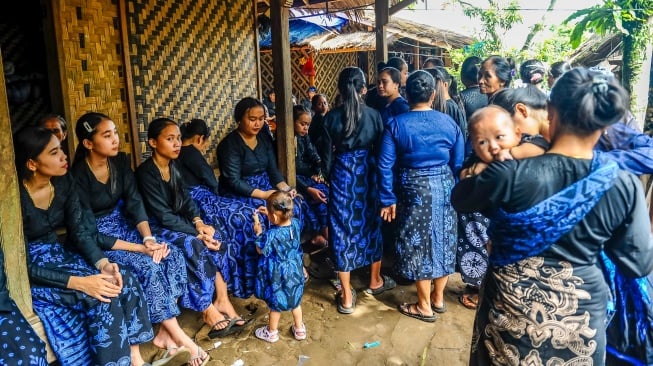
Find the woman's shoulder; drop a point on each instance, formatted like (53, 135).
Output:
(145, 167)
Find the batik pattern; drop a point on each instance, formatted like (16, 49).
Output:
(163, 283)
(354, 220)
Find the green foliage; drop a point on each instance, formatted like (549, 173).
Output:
(495, 19)
(630, 18)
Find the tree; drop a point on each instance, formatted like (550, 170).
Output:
(631, 18)
(496, 19)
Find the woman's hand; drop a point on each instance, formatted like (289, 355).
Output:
(389, 213)
(317, 178)
(157, 251)
(99, 286)
(317, 195)
(112, 269)
(206, 233)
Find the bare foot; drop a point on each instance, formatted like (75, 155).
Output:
(214, 318)
(228, 310)
(163, 339)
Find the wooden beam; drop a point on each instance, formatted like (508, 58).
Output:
(129, 85)
(281, 64)
(400, 5)
(382, 16)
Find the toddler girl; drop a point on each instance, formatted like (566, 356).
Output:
(280, 281)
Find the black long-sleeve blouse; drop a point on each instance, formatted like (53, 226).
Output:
(618, 224)
(174, 211)
(195, 169)
(238, 161)
(368, 133)
(102, 198)
(308, 161)
(5, 304)
(64, 211)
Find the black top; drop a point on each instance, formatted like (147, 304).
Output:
(473, 100)
(195, 169)
(238, 162)
(308, 161)
(173, 211)
(65, 211)
(5, 303)
(103, 198)
(270, 105)
(374, 100)
(368, 133)
(619, 222)
(453, 110)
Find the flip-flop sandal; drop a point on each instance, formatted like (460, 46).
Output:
(405, 310)
(180, 357)
(467, 300)
(344, 310)
(205, 360)
(216, 333)
(388, 284)
(439, 309)
(233, 327)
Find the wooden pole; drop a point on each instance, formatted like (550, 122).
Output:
(279, 17)
(382, 14)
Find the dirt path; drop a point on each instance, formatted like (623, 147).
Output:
(335, 339)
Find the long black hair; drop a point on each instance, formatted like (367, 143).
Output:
(587, 101)
(350, 83)
(29, 143)
(85, 129)
(195, 127)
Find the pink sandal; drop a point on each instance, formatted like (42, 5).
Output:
(299, 333)
(265, 334)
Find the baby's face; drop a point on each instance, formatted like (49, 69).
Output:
(493, 134)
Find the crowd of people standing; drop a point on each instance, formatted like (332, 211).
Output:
(506, 186)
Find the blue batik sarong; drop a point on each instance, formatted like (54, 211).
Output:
(233, 219)
(163, 283)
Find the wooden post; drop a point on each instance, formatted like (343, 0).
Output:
(279, 17)
(129, 84)
(382, 14)
(11, 223)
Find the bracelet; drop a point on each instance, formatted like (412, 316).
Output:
(197, 220)
(146, 238)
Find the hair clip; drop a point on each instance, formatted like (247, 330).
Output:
(600, 84)
(87, 127)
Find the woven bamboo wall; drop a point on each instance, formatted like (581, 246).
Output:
(327, 67)
(191, 59)
(92, 62)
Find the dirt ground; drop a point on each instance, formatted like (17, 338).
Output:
(335, 339)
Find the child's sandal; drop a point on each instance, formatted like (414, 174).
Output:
(299, 333)
(265, 334)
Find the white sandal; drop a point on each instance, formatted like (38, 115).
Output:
(299, 333)
(265, 334)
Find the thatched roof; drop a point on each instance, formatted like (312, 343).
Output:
(425, 34)
(598, 49)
